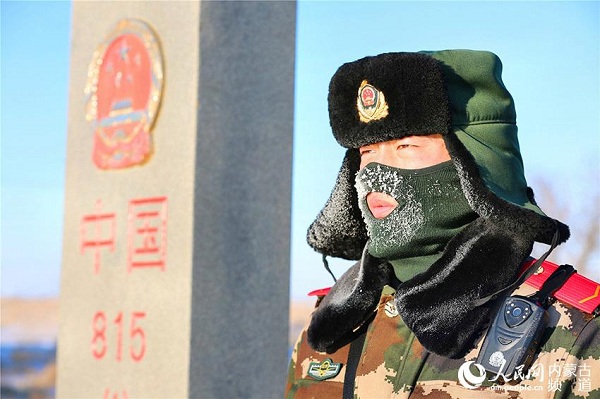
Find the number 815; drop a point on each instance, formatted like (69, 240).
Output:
(137, 336)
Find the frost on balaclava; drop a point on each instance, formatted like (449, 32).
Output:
(431, 210)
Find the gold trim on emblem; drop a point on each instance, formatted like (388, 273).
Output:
(370, 103)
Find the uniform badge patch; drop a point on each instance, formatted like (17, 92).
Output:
(390, 309)
(324, 370)
(370, 103)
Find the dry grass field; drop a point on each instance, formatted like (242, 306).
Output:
(26, 321)
(299, 315)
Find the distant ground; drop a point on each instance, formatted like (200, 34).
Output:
(26, 321)
(28, 332)
(299, 315)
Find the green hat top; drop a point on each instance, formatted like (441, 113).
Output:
(484, 120)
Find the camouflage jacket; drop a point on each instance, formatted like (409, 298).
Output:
(393, 364)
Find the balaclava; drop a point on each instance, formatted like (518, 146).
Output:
(431, 210)
(460, 95)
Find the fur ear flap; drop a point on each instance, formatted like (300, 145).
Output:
(349, 304)
(482, 200)
(339, 229)
(438, 305)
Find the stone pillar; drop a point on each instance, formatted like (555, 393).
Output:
(177, 205)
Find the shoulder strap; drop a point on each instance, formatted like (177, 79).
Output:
(578, 291)
(354, 353)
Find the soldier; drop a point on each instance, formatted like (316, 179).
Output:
(432, 201)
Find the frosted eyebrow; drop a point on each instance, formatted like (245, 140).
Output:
(364, 149)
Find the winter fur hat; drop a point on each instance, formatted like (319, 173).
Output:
(456, 93)
(460, 95)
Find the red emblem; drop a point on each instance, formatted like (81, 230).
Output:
(124, 87)
(370, 103)
(368, 96)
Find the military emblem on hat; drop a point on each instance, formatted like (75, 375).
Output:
(123, 90)
(370, 103)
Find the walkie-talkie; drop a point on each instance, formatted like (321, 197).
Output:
(514, 336)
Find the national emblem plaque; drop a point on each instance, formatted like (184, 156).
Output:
(123, 90)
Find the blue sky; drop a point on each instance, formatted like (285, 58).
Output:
(34, 83)
(551, 62)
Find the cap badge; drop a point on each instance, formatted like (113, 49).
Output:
(370, 103)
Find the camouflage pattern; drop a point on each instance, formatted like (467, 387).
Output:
(393, 364)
